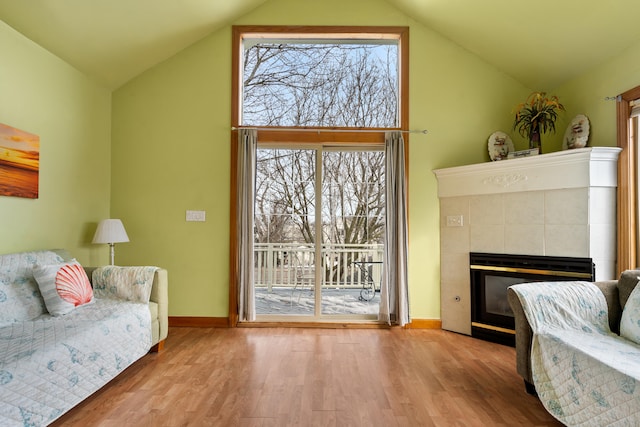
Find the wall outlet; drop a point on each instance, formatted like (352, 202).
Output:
(455, 221)
(196, 215)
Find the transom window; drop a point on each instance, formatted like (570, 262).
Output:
(321, 77)
(320, 82)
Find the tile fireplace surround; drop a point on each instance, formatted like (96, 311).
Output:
(556, 204)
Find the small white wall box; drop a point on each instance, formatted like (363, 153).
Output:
(196, 216)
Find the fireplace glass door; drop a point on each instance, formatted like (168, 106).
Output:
(495, 291)
(491, 305)
(491, 275)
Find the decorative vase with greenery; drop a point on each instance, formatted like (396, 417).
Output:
(537, 115)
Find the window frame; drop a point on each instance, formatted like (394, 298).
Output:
(303, 135)
(627, 183)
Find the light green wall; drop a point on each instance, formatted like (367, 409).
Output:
(171, 138)
(171, 131)
(586, 95)
(43, 95)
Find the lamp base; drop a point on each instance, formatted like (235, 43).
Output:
(112, 252)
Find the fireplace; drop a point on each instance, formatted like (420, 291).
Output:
(491, 275)
(555, 204)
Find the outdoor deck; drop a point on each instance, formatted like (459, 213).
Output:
(285, 273)
(288, 301)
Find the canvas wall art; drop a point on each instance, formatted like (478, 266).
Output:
(19, 162)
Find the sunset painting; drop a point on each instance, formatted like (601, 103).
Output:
(19, 162)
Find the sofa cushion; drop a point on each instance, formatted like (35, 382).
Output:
(63, 286)
(21, 297)
(52, 363)
(626, 284)
(630, 322)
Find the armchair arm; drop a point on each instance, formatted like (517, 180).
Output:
(524, 333)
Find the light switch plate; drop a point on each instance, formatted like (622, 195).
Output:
(196, 215)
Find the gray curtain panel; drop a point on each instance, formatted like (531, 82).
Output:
(394, 293)
(246, 180)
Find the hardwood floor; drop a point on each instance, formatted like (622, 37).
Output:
(316, 377)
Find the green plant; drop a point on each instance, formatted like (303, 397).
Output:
(537, 115)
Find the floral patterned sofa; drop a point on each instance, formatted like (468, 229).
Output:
(578, 348)
(65, 333)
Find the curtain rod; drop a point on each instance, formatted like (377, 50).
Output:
(423, 131)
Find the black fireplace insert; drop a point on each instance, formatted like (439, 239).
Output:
(491, 275)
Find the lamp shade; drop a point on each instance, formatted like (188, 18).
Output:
(110, 231)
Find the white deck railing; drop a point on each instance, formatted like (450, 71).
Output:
(294, 264)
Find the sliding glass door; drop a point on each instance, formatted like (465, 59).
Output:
(319, 227)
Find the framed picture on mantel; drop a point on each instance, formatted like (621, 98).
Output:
(19, 162)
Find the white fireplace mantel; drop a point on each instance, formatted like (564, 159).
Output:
(583, 167)
(556, 204)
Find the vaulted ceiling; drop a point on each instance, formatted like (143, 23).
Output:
(540, 43)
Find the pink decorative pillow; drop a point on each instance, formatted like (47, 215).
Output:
(63, 286)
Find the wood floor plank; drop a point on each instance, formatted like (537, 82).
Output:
(316, 377)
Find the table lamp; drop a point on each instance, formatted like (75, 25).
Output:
(110, 231)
